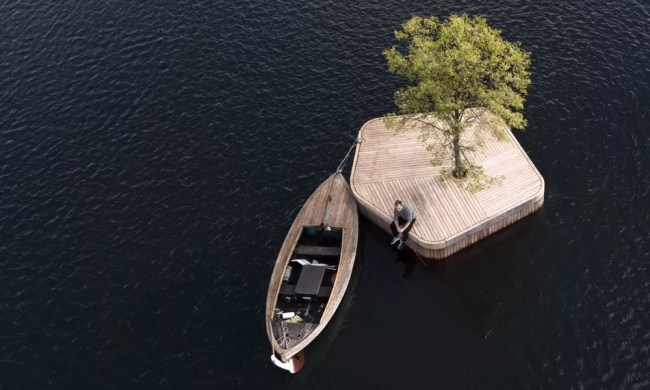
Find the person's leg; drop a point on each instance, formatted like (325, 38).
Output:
(401, 221)
(405, 234)
(393, 229)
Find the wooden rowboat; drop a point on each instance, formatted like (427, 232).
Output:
(312, 271)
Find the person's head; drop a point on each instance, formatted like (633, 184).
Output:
(398, 205)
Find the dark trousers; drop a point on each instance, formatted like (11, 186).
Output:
(405, 233)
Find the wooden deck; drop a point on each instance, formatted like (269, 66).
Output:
(389, 166)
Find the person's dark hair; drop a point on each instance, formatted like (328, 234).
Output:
(398, 202)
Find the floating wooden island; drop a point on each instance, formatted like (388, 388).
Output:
(391, 165)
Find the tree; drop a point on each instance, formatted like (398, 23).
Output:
(456, 69)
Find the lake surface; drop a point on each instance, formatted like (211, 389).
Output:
(153, 155)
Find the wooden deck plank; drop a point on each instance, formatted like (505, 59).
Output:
(438, 207)
(462, 212)
(425, 220)
(444, 207)
(431, 226)
(455, 212)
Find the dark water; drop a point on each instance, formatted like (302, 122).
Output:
(153, 154)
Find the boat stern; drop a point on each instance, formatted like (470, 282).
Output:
(293, 365)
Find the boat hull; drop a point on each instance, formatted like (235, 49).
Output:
(331, 206)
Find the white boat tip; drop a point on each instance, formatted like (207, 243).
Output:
(285, 366)
(293, 365)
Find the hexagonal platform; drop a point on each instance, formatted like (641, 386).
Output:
(389, 166)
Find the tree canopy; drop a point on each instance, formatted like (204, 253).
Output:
(454, 67)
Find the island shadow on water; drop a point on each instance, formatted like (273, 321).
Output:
(410, 258)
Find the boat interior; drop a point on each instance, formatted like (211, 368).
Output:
(307, 284)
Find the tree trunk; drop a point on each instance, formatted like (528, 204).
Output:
(459, 171)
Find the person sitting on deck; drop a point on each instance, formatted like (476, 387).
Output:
(403, 220)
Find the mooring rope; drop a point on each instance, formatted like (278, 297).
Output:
(347, 155)
(339, 169)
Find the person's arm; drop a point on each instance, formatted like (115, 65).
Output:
(406, 225)
(409, 218)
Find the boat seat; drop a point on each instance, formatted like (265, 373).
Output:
(318, 251)
(324, 291)
(288, 289)
(302, 262)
